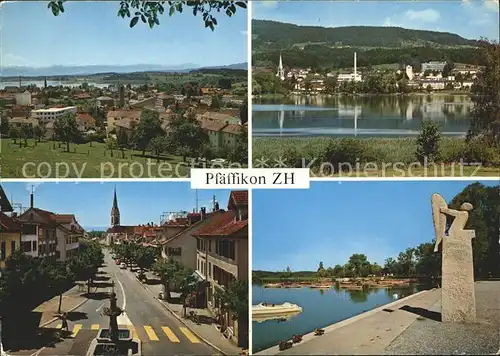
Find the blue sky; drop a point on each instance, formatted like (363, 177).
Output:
(91, 33)
(91, 203)
(470, 19)
(331, 221)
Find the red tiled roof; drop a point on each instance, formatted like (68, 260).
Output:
(239, 198)
(9, 224)
(233, 129)
(223, 225)
(87, 118)
(47, 215)
(64, 218)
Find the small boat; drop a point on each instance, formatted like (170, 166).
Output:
(265, 309)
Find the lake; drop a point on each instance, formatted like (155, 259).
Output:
(366, 116)
(40, 84)
(320, 309)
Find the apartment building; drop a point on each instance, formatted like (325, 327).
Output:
(222, 258)
(10, 229)
(68, 232)
(38, 232)
(51, 114)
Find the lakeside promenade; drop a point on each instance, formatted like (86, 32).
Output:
(411, 325)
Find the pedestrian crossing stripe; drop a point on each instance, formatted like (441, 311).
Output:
(151, 334)
(76, 329)
(170, 334)
(189, 335)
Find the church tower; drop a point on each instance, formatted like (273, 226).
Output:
(115, 212)
(281, 72)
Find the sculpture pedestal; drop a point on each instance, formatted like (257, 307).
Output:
(458, 300)
(102, 345)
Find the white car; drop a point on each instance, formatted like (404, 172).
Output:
(123, 265)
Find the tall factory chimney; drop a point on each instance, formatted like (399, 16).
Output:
(355, 66)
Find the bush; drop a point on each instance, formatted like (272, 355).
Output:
(342, 151)
(291, 157)
(428, 142)
(478, 151)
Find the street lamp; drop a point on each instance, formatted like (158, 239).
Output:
(2, 352)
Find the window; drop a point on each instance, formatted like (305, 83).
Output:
(210, 269)
(174, 251)
(26, 246)
(29, 229)
(12, 247)
(2, 251)
(210, 246)
(225, 248)
(33, 248)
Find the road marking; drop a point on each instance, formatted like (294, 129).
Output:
(123, 293)
(151, 333)
(99, 307)
(170, 334)
(94, 327)
(76, 329)
(135, 334)
(59, 326)
(189, 335)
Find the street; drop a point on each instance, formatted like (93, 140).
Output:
(159, 331)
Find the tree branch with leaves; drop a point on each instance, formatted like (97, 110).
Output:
(149, 12)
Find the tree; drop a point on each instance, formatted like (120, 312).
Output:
(59, 278)
(428, 262)
(483, 219)
(66, 129)
(145, 258)
(166, 270)
(149, 11)
(216, 102)
(390, 266)
(25, 133)
(244, 112)
(111, 144)
(4, 126)
(158, 145)
(14, 133)
(188, 284)
(122, 141)
(148, 128)
(428, 141)
(360, 265)
(486, 111)
(39, 132)
(187, 135)
(407, 260)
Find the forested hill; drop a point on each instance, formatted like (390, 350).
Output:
(284, 35)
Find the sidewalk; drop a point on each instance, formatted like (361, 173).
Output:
(206, 332)
(72, 299)
(367, 334)
(410, 326)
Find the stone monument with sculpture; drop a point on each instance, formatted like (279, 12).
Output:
(458, 301)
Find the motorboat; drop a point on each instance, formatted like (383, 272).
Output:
(262, 310)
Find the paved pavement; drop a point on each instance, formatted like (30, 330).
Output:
(409, 326)
(206, 329)
(159, 331)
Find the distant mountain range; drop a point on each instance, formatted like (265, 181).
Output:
(285, 35)
(95, 228)
(98, 69)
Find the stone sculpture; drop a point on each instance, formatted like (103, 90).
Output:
(458, 301)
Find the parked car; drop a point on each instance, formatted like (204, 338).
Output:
(118, 262)
(123, 265)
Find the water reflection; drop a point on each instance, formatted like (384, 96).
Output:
(320, 308)
(353, 116)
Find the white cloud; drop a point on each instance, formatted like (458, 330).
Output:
(9, 59)
(267, 3)
(491, 5)
(428, 15)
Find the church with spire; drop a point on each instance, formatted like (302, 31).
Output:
(115, 212)
(117, 231)
(281, 71)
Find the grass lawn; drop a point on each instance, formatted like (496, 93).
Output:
(374, 157)
(83, 161)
